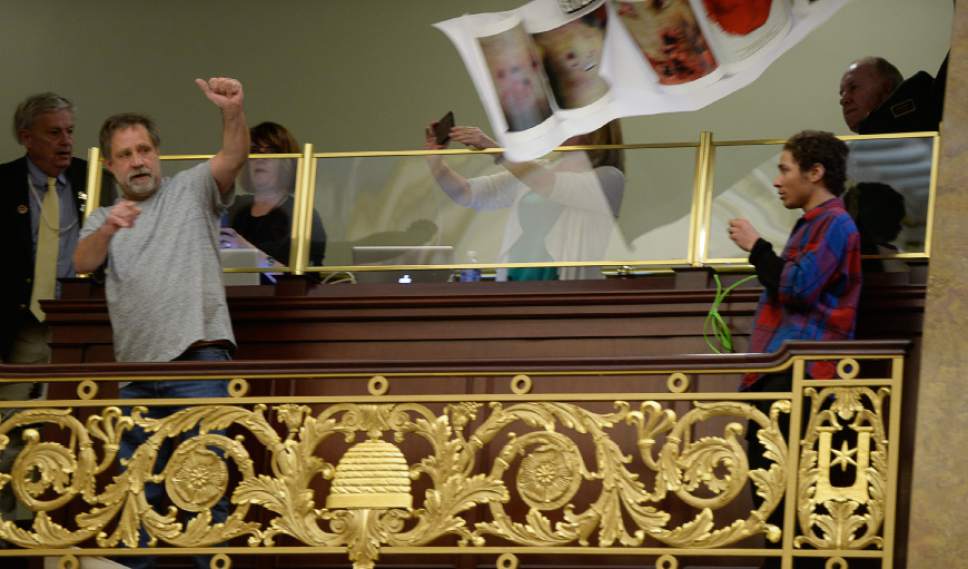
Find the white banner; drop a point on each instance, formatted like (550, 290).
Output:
(544, 75)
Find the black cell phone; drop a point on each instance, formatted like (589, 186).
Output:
(442, 128)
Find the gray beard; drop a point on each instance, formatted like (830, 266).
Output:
(140, 193)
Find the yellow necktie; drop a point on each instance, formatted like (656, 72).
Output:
(48, 243)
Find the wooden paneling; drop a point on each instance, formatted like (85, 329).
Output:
(480, 326)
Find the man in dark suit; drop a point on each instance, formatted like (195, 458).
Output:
(42, 196)
(32, 222)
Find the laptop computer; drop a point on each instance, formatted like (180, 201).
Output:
(403, 255)
(238, 259)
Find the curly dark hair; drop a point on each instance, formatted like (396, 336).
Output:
(810, 147)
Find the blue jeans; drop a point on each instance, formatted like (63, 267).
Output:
(132, 439)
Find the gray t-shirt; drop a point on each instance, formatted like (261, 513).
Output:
(164, 279)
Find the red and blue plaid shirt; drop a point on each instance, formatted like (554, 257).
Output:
(818, 288)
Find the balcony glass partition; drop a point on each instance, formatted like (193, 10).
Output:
(575, 207)
(256, 233)
(743, 188)
(894, 185)
(890, 185)
(579, 211)
(258, 228)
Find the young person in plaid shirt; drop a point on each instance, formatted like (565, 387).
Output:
(811, 290)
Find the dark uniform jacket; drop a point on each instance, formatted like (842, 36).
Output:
(17, 242)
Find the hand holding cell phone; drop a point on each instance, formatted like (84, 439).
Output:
(442, 128)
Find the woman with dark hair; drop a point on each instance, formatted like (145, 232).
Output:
(563, 209)
(263, 217)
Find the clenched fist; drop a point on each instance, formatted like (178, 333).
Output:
(226, 93)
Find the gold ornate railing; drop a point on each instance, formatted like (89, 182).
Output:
(641, 459)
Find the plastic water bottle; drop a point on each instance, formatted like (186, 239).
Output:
(470, 275)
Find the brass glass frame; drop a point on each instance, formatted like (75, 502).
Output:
(94, 180)
(704, 260)
(699, 217)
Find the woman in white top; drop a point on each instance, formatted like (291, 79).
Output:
(563, 208)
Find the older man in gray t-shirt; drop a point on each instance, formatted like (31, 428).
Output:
(164, 285)
(164, 281)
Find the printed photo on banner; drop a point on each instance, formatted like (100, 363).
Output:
(738, 17)
(669, 37)
(515, 68)
(740, 29)
(572, 56)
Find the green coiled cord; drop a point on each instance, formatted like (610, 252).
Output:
(714, 324)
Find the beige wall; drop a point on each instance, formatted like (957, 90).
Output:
(938, 534)
(366, 74)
